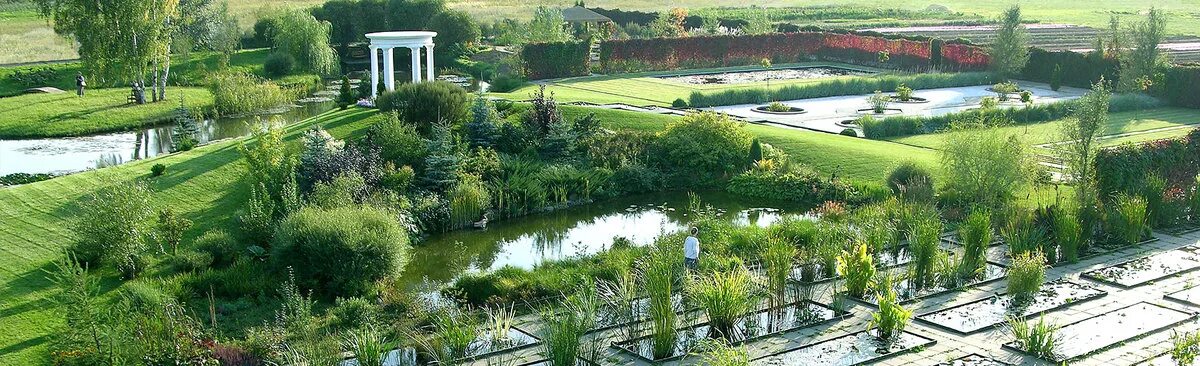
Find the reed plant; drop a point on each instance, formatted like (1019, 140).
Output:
(454, 335)
(1068, 234)
(924, 237)
(1021, 234)
(777, 262)
(1154, 188)
(1026, 275)
(369, 345)
(717, 352)
(1040, 339)
(976, 234)
(658, 281)
(468, 200)
(621, 303)
(891, 318)
(1127, 219)
(857, 267)
(875, 228)
(831, 239)
(566, 328)
(726, 297)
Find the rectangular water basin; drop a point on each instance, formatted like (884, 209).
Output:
(1143, 270)
(483, 346)
(907, 293)
(985, 313)
(757, 325)
(1102, 331)
(890, 257)
(1190, 296)
(974, 360)
(851, 349)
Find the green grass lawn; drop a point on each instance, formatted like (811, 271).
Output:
(647, 89)
(102, 110)
(1118, 123)
(203, 186)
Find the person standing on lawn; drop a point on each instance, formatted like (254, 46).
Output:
(80, 83)
(691, 250)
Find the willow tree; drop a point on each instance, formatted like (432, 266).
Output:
(119, 40)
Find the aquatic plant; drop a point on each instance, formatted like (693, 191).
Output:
(566, 327)
(1127, 219)
(368, 344)
(777, 262)
(658, 281)
(1068, 234)
(454, 332)
(831, 238)
(1040, 339)
(923, 238)
(976, 234)
(717, 352)
(621, 302)
(725, 297)
(468, 200)
(1026, 275)
(1184, 347)
(891, 318)
(499, 323)
(1020, 233)
(875, 228)
(858, 268)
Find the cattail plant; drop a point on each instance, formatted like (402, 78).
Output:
(1127, 219)
(777, 262)
(725, 297)
(924, 237)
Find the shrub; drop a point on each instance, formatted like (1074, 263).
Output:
(797, 184)
(1026, 275)
(911, 181)
(904, 93)
(1127, 219)
(1026, 97)
(1040, 339)
(237, 93)
(879, 102)
(976, 235)
(679, 103)
(850, 132)
(340, 251)
(355, 313)
(985, 166)
(1185, 347)
(279, 64)
(858, 268)
(347, 96)
(989, 103)
(171, 228)
(189, 261)
(556, 59)
(505, 83)
(113, 226)
(219, 245)
(705, 144)
(398, 142)
(428, 103)
(891, 318)
(158, 170)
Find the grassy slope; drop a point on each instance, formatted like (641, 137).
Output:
(1123, 122)
(102, 110)
(646, 89)
(203, 186)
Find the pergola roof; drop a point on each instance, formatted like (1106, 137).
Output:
(579, 14)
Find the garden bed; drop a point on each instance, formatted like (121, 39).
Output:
(985, 313)
(886, 112)
(906, 293)
(791, 110)
(1100, 332)
(763, 323)
(1143, 270)
(974, 360)
(754, 76)
(911, 100)
(606, 318)
(851, 349)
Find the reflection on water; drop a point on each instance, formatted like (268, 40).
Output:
(527, 241)
(73, 154)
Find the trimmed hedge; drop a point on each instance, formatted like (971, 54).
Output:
(556, 59)
(1125, 168)
(1180, 86)
(1079, 70)
(848, 86)
(636, 55)
(909, 125)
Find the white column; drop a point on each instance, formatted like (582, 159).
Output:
(429, 62)
(374, 72)
(389, 69)
(416, 63)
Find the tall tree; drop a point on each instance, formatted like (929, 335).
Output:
(1139, 65)
(1010, 51)
(119, 40)
(1080, 132)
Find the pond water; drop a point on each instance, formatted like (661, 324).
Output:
(527, 241)
(753, 76)
(851, 349)
(73, 154)
(1102, 331)
(984, 313)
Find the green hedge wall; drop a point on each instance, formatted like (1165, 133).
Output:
(1125, 168)
(1181, 87)
(1078, 69)
(555, 60)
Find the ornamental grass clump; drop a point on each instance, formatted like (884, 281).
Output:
(778, 107)
(717, 352)
(924, 235)
(565, 329)
(658, 281)
(891, 318)
(1021, 234)
(725, 297)
(1068, 234)
(976, 234)
(857, 267)
(1039, 339)
(454, 333)
(879, 102)
(1026, 275)
(1127, 219)
(777, 261)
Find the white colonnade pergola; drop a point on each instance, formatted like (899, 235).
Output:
(386, 42)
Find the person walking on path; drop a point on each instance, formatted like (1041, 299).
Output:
(691, 250)
(80, 83)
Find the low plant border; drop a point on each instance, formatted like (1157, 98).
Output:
(746, 69)
(1190, 316)
(999, 294)
(1088, 274)
(911, 100)
(885, 113)
(838, 277)
(927, 343)
(837, 316)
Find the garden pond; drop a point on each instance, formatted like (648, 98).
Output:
(525, 242)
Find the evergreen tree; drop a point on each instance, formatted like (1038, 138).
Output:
(756, 151)
(1010, 51)
(347, 96)
(183, 136)
(481, 131)
(441, 165)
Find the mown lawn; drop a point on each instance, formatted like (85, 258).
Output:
(203, 185)
(1178, 120)
(647, 89)
(100, 110)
